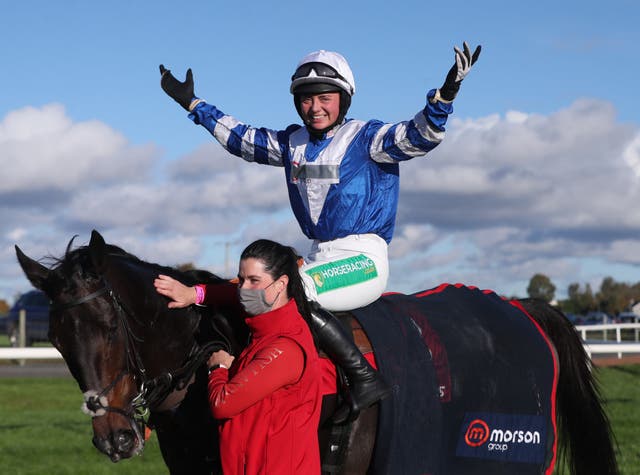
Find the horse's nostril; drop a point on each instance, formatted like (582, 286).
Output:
(124, 440)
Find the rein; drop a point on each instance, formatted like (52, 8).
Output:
(151, 391)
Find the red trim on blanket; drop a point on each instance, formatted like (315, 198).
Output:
(554, 357)
(441, 288)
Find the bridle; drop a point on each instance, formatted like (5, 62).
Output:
(151, 391)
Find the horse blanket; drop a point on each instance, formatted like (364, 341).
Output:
(473, 379)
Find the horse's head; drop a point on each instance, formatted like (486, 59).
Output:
(117, 336)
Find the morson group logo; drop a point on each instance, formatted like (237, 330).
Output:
(512, 437)
(477, 433)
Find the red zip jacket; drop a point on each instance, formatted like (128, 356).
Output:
(269, 401)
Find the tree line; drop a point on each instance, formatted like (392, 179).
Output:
(612, 297)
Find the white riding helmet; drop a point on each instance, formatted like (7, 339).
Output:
(322, 68)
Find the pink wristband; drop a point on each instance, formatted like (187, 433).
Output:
(199, 294)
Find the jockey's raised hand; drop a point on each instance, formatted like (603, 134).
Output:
(181, 92)
(462, 66)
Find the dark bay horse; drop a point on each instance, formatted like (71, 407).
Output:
(130, 354)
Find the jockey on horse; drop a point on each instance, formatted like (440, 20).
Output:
(342, 177)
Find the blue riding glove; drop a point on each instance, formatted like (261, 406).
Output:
(181, 92)
(462, 66)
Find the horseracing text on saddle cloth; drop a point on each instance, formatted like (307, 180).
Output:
(477, 387)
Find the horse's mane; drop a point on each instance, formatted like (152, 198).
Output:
(79, 257)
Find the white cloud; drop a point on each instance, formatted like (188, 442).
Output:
(567, 170)
(631, 155)
(412, 238)
(42, 149)
(625, 251)
(16, 234)
(516, 117)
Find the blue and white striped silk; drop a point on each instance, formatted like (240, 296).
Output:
(344, 183)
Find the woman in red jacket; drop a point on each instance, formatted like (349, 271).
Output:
(268, 400)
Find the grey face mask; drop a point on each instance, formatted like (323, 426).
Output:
(255, 302)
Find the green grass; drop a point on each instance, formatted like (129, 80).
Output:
(619, 389)
(43, 431)
(620, 385)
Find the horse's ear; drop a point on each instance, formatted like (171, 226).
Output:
(35, 272)
(98, 251)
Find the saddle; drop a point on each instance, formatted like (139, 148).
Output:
(353, 326)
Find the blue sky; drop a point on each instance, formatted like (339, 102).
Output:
(539, 171)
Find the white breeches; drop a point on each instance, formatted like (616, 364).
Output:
(346, 273)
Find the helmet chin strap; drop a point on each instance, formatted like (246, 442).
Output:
(319, 133)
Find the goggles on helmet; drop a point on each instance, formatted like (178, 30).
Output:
(321, 70)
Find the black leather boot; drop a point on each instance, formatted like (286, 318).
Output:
(365, 383)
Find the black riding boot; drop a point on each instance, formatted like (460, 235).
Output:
(365, 383)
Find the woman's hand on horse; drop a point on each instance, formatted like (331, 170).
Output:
(181, 295)
(220, 357)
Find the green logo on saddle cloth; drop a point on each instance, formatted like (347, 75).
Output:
(343, 273)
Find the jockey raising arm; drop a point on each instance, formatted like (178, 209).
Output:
(341, 174)
(342, 177)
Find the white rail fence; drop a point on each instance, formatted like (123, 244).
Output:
(602, 346)
(626, 338)
(42, 353)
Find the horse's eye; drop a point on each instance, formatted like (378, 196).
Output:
(112, 332)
